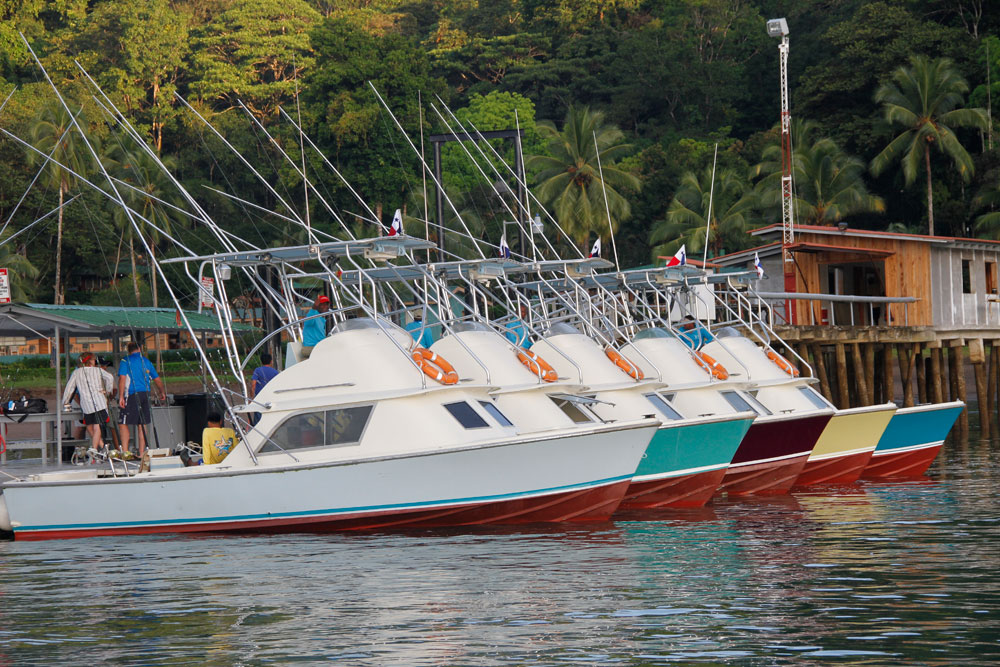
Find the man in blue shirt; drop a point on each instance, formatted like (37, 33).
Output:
(314, 330)
(261, 376)
(516, 332)
(134, 375)
(420, 332)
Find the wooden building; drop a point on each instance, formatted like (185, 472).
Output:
(953, 279)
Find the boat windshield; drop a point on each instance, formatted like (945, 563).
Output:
(560, 328)
(459, 327)
(361, 323)
(654, 332)
(727, 332)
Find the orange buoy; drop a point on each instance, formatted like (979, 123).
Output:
(782, 363)
(537, 365)
(623, 363)
(434, 366)
(712, 366)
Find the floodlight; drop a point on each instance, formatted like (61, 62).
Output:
(777, 27)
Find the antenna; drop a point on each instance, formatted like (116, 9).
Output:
(607, 209)
(708, 220)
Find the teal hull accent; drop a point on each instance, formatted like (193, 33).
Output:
(693, 448)
(912, 427)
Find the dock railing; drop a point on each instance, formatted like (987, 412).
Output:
(766, 302)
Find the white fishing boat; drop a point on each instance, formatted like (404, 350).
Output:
(355, 437)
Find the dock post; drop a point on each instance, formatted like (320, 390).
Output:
(824, 379)
(977, 357)
(861, 380)
(923, 366)
(906, 364)
(956, 378)
(843, 397)
(889, 382)
(935, 380)
(991, 391)
(870, 372)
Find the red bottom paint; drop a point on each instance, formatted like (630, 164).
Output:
(912, 463)
(594, 504)
(764, 478)
(685, 491)
(837, 470)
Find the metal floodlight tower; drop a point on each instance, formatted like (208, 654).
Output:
(779, 28)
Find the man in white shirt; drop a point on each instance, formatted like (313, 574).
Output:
(93, 385)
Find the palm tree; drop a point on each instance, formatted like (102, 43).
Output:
(21, 272)
(569, 182)
(924, 98)
(828, 183)
(52, 133)
(732, 202)
(988, 223)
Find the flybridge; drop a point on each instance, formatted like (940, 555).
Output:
(396, 246)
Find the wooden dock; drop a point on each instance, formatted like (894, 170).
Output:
(860, 365)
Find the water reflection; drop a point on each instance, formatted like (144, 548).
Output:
(875, 573)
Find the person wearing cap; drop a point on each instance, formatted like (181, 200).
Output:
(92, 386)
(314, 330)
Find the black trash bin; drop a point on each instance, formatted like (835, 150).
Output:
(196, 409)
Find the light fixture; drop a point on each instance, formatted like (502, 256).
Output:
(536, 225)
(223, 271)
(842, 226)
(777, 28)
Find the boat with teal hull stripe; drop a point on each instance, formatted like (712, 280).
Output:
(912, 440)
(684, 463)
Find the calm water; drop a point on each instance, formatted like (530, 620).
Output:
(874, 574)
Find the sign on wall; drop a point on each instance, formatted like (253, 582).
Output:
(207, 291)
(4, 286)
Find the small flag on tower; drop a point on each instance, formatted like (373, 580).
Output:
(397, 224)
(680, 258)
(596, 250)
(504, 248)
(757, 265)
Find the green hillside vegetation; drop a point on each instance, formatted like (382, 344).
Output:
(889, 100)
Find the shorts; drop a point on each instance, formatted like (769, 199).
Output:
(99, 417)
(137, 410)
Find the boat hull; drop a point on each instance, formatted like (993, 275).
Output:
(772, 454)
(846, 446)
(578, 477)
(912, 440)
(684, 465)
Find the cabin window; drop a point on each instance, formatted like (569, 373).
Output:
(744, 403)
(966, 276)
(579, 413)
(665, 408)
(466, 415)
(343, 426)
(813, 397)
(991, 277)
(494, 412)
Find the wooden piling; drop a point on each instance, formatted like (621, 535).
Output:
(991, 392)
(977, 357)
(935, 380)
(923, 366)
(860, 377)
(820, 367)
(888, 382)
(869, 359)
(843, 395)
(958, 357)
(906, 363)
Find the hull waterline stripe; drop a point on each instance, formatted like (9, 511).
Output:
(911, 448)
(330, 512)
(679, 473)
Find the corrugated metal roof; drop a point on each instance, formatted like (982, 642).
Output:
(110, 318)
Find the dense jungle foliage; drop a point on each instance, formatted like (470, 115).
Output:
(889, 99)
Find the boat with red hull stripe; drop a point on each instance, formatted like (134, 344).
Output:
(773, 454)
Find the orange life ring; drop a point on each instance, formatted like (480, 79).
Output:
(783, 363)
(537, 365)
(434, 367)
(623, 363)
(712, 366)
